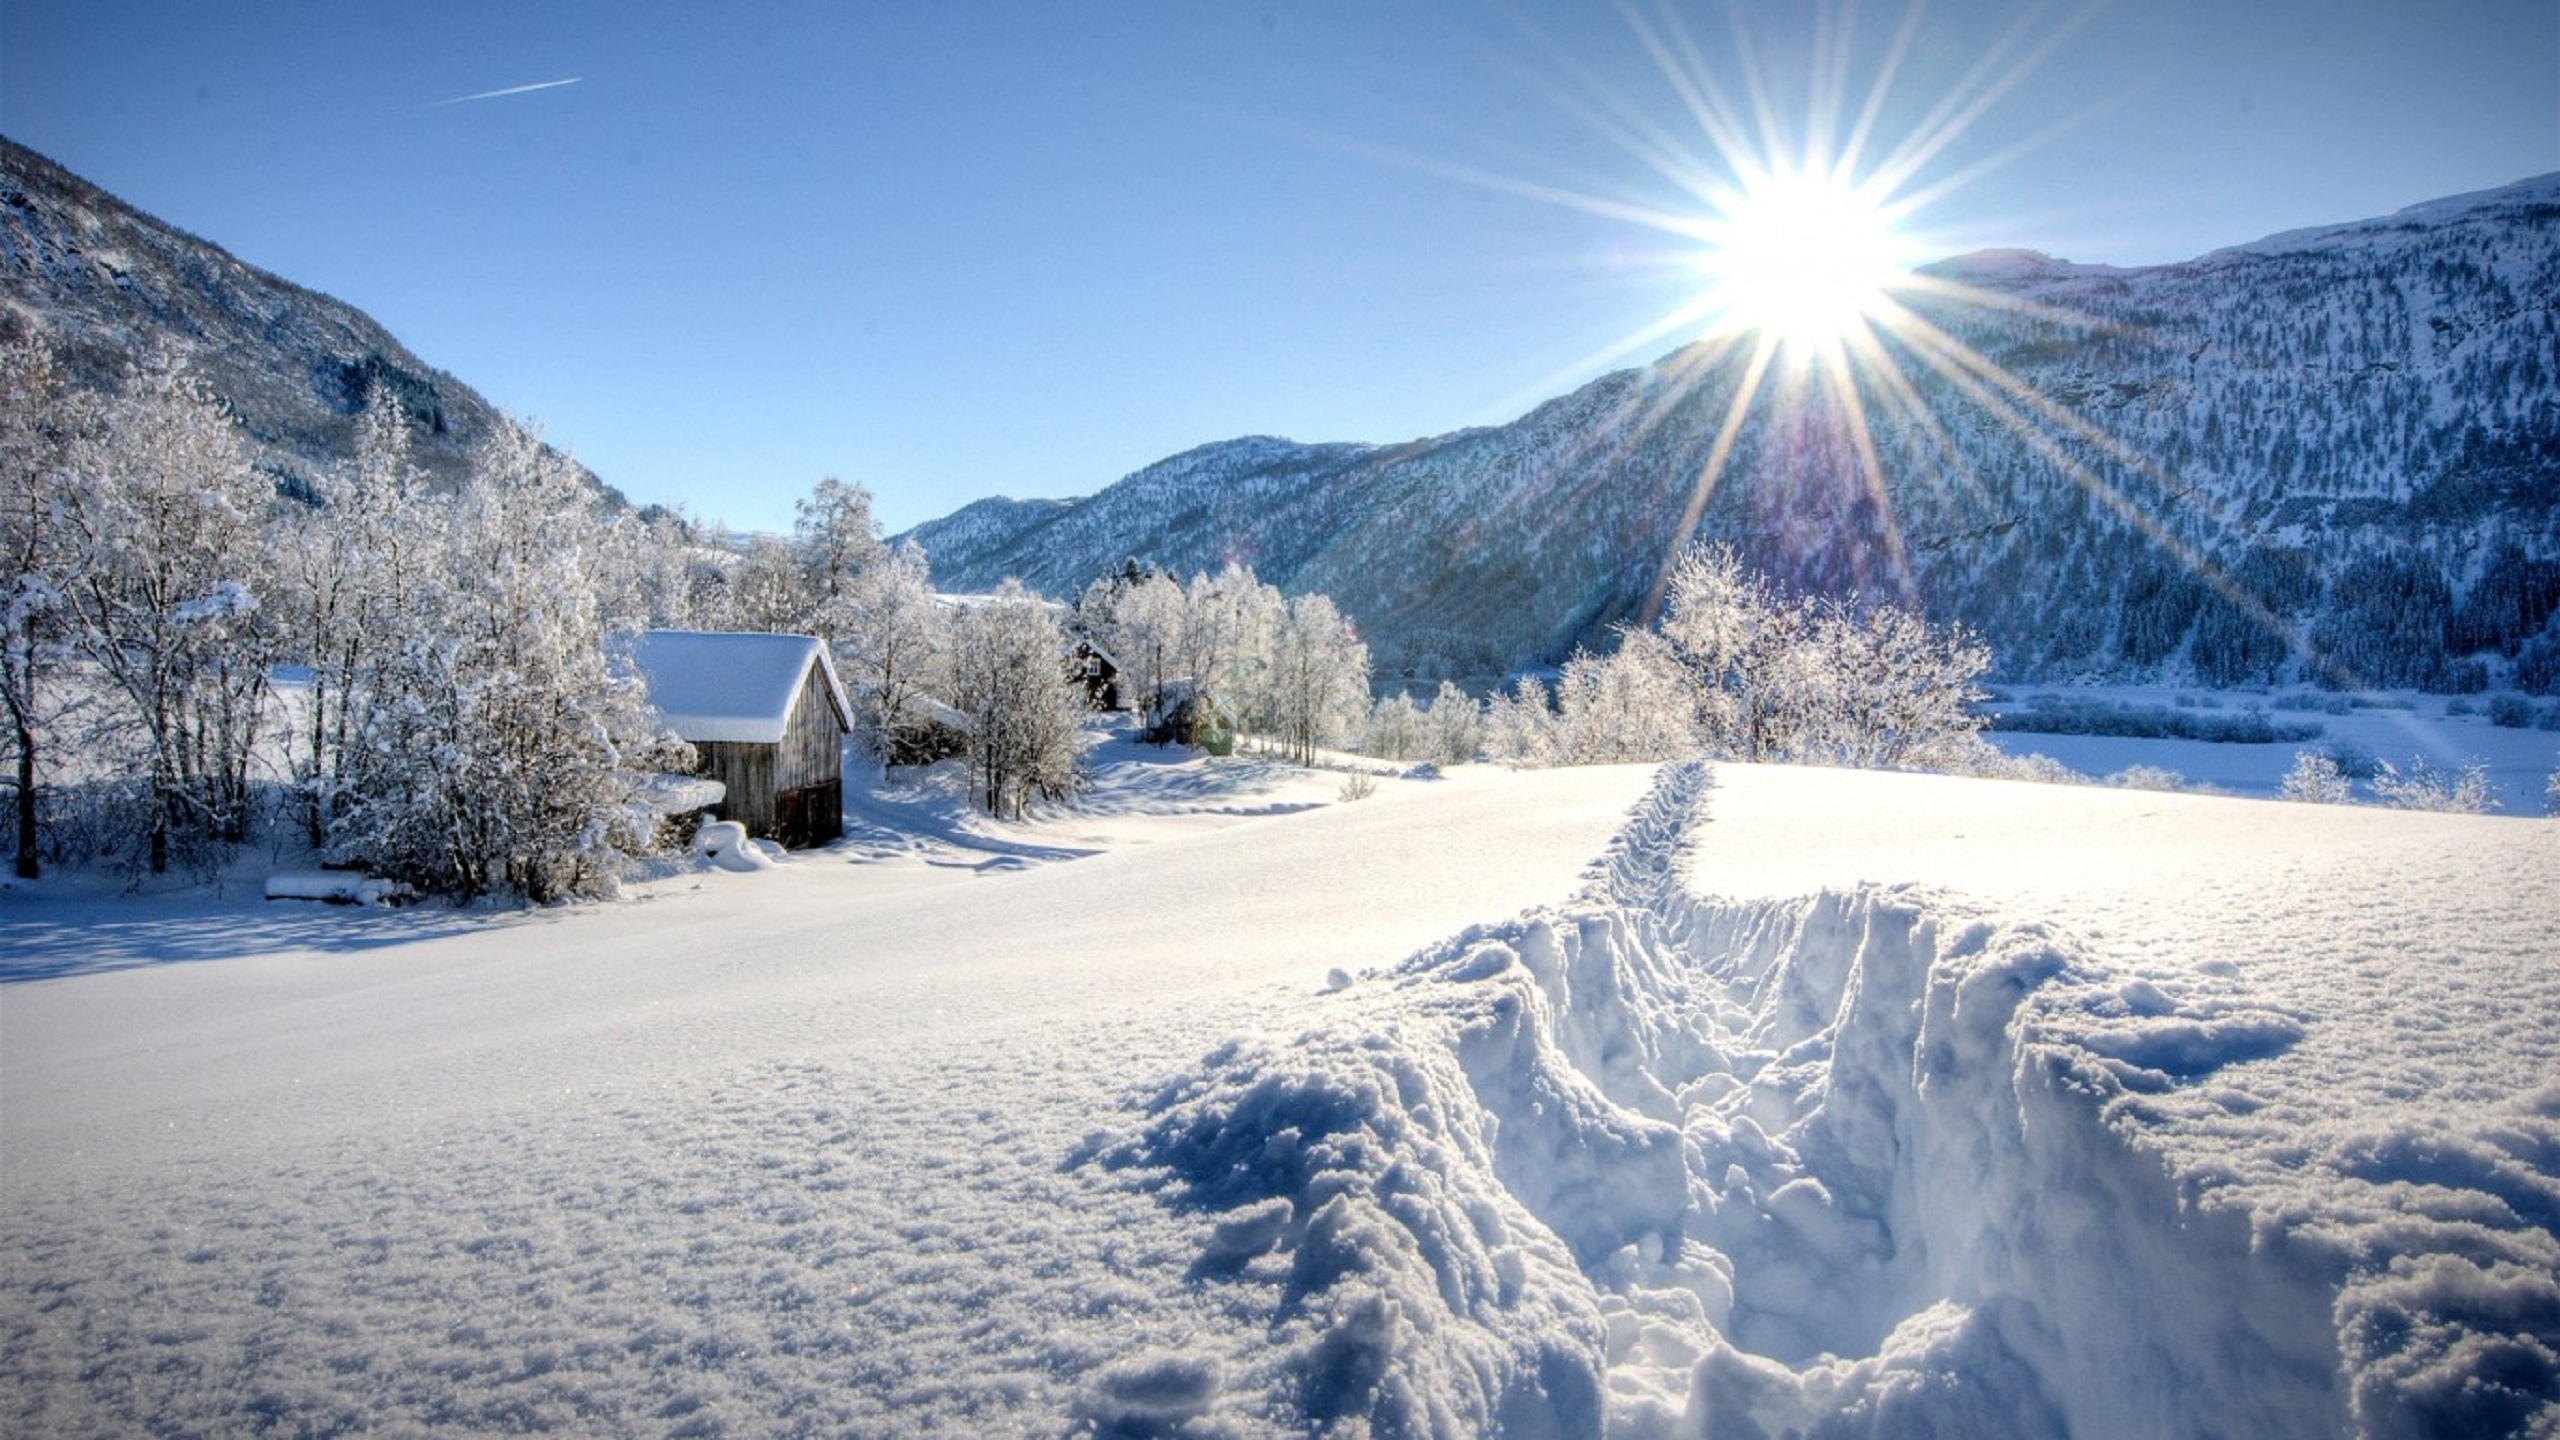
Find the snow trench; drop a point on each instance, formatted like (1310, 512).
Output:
(1859, 1163)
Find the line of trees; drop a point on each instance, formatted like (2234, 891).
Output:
(451, 716)
(1289, 669)
(1735, 668)
(449, 711)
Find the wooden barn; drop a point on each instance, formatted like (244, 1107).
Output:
(767, 718)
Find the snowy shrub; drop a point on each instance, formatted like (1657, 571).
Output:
(2551, 794)
(1456, 724)
(1396, 729)
(2508, 711)
(2315, 778)
(1814, 680)
(1985, 761)
(1519, 729)
(1358, 785)
(1735, 669)
(2052, 715)
(2147, 777)
(1632, 706)
(2424, 787)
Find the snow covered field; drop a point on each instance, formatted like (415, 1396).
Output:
(2405, 730)
(1681, 1102)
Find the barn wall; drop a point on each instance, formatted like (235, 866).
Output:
(813, 741)
(809, 782)
(748, 771)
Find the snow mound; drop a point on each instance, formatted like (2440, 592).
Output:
(1870, 1162)
(337, 887)
(724, 843)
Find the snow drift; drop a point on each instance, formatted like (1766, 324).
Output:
(1873, 1161)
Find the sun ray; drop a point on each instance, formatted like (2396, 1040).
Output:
(1764, 349)
(1870, 469)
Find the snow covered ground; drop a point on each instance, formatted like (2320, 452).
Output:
(2403, 729)
(1677, 1102)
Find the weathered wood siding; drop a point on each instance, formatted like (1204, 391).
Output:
(813, 743)
(747, 769)
(792, 792)
(809, 779)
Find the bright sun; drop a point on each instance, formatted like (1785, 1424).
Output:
(1804, 259)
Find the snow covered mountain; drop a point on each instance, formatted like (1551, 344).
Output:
(108, 284)
(2354, 431)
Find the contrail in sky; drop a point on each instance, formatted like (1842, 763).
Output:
(510, 90)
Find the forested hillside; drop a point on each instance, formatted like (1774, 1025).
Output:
(106, 287)
(2332, 455)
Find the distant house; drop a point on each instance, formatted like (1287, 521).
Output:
(1094, 668)
(767, 718)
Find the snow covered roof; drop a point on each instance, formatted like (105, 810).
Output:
(731, 686)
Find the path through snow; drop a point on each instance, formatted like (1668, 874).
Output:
(1833, 1103)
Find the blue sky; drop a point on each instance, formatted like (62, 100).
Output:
(954, 250)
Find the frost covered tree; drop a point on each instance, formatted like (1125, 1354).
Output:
(2424, 787)
(164, 567)
(1231, 626)
(1631, 706)
(767, 590)
(1519, 728)
(500, 746)
(1008, 675)
(1143, 618)
(2315, 778)
(1396, 729)
(1456, 727)
(348, 568)
(41, 423)
(1315, 683)
(838, 545)
(890, 647)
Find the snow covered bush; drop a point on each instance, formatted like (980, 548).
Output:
(2147, 777)
(1395, 729)
(1815, 680)
(1519, 729)
(2424, 787)
(2316, 779)
(1457, 725)
(1734, 669)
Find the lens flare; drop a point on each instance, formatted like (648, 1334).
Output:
(1803, 257)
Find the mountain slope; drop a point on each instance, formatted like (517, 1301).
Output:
(2341, 443)
(108, 284)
